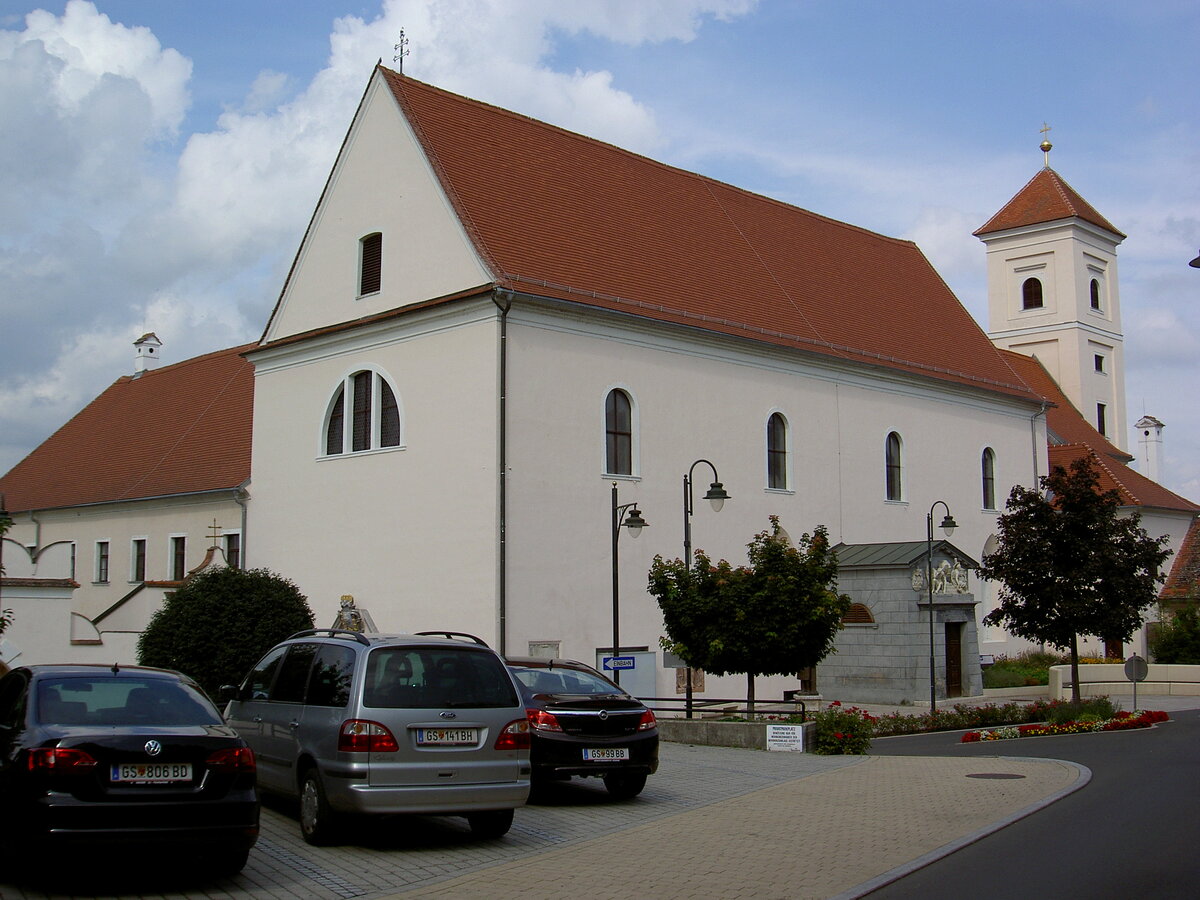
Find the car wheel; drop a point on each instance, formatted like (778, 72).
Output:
(228, 860)
(317, 820)
(492, 824)
(623, 785)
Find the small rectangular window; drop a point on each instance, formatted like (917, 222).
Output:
(102, 562)
(370, 263)
(1098, 360)
(137, 560)
(178, 558)
(233, 551)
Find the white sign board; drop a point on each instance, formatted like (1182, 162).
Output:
(785, 737)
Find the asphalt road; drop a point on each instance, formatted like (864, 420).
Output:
(1133, 831)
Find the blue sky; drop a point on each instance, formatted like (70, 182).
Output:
(160, 159)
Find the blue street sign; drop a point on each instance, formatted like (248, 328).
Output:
(618, 662)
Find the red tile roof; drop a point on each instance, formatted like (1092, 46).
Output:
(179, 429)
(564, 216)
(1183, 582)
(1046, 198)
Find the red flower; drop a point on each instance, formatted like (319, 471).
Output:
(838, 735)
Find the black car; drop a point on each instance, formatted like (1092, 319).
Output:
(583, 724)
(123, 759)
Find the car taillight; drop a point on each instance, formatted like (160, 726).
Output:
(514, 735)
(540, 720)
(364, 736)
(647, 721)
(59, 759)
(232, 759)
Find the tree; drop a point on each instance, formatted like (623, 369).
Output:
(1068, 564)
(775, 616)
(218, 625)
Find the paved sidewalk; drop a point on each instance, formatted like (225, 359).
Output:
(836, 833)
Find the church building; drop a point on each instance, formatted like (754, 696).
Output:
(499, 337)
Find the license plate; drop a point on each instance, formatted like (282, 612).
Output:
(447, 736)
(599, 754)
(151, 773)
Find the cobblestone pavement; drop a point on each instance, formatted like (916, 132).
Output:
(715, 822)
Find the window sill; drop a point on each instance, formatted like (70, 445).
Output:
(784, 491)
(630, 478)
(895, 503)
(357, 453)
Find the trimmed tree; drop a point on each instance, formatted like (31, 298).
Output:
(1068, 564)
(775, 616)
(218, 625)
(1178, 638)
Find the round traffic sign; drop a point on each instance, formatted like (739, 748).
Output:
(1136, 668)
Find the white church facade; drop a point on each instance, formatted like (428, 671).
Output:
(491, 322)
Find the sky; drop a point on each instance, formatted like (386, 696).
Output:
(160, 159)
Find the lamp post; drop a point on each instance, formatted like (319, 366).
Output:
(5, 523)
(631, 517)
(716, 495)
(948, 526)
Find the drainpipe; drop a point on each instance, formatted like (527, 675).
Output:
(240, 496)
(1033, 440)
(503, 301)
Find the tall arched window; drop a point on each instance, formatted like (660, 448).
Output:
(989, 478)
(1095, 292)
(777, 468)
(1031, 294)
(370, 263)
(892, 466)
(618, 433)
(374, 419)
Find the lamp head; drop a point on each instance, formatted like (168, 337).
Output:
(948, 524)
(716, 496)
(634, 522)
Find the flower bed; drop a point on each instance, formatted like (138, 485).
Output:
(1120, 722)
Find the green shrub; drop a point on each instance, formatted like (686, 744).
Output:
(1177, 640)
(1070, 711)
(842, 729)
(218, 625)
(1026, 669)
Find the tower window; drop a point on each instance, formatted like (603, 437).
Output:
(370, 263)
(1031, 294)
(1098, 360)
(1095, 291)
(1101, 419)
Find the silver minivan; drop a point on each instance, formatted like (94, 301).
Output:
(354, 723)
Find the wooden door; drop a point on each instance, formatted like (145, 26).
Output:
(954, 659)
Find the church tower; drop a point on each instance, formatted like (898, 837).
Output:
(1052, 294)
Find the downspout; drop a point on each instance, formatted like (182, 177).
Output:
(503, 300)
(1033, 439)
(239, 497)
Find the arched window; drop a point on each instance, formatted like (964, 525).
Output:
(1031, 294)
(858, 614)
(989, 478)
(618, 433)
(374, 420)
(370, 263)
(777, 468)
(1095, 290)
(892, 465)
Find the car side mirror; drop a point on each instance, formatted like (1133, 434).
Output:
(227, 692)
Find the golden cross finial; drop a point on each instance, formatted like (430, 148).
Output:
(1046, 145)
(216, 532)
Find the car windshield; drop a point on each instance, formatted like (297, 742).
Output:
(437, 678)
(563, 681)
(122, 699)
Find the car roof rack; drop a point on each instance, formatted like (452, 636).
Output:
(454, 636)
(333, 632)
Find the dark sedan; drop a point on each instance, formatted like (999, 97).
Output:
(583, 724)
(124, 759)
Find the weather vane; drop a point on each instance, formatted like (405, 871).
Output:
(401, 49)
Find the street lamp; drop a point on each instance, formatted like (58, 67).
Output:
(5, 523)
(717, 496)
(631, 517)
(948, 526)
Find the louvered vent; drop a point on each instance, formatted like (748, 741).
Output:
(372, 263)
